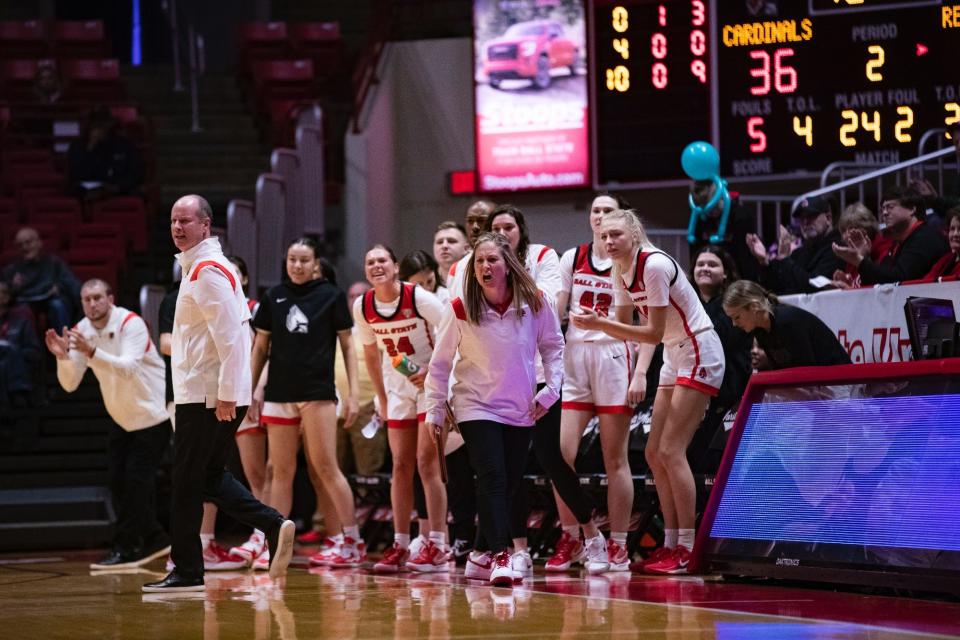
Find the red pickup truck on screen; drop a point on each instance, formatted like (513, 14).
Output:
(528, 51)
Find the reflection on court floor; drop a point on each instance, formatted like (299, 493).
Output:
(57, 597)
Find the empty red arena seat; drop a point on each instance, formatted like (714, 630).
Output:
(80, 38)
(22, 39)
(64, 212)
(19, 160)
(322, 42)
(102, 236)
(128, 213)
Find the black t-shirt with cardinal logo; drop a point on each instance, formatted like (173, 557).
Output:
(303, 321)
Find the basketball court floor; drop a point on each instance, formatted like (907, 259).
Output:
(54, 595)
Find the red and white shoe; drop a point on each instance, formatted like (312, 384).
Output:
(597, 559)
(417, 545)
(432, 558)
(394, 560)
(262, 561)
(658, 554)
(353, 553)
(479, 565)
(568, 551)
(216, 558)
(617, 556)
(252, 548)
(310, 537)
(502, 573)
(329, 550)
(674, 564)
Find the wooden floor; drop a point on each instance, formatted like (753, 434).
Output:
(56, 596)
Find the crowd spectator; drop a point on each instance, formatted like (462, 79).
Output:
(857, 217)
(19, 352)
(102, 162)
(712, 272)
(792, 269)
(915, 249)
(42, 281)
(789, 336)
(47, 87)
(949, 264)
(739, 226)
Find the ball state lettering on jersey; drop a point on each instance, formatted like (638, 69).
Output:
(637, 289)
(404, 332)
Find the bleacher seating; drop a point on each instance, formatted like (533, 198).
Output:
(23, 39)
(283, 69)
(80, 39)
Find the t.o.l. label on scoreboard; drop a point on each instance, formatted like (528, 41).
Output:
(530, 89)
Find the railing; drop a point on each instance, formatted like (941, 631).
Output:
(196, 55)
(365, 73)
(766, 205)
(877, 177)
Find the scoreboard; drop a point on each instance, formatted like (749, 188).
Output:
(651, 91)
(831, 80)
(781, 87)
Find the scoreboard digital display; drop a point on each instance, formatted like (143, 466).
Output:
(781, 87)
(651, 86)
(803, 84)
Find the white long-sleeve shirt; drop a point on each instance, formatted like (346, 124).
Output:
(496, 376)
(210, 357)
(127, 366)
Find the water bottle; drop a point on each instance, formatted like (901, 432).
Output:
(405, 365)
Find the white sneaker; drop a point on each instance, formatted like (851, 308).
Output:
(262, 561)
(502, 574)
(597, 559)
(522, 565)
(252, 548)
(479, 565)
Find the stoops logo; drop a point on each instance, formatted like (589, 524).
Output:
(788, 562)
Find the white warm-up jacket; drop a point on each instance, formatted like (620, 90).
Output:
(127, 366)
(496, 378)
(211, 330)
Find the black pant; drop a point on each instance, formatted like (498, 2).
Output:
(498, 454)
(461, 495)
(201, 447)
(546, 446)
(134, 457)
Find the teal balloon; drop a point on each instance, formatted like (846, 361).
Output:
(700, 160)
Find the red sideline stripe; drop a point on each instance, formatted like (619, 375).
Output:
(410, 423)
(458, 309)
(699, 386)
(291, 422)
(577, 406)
(211, 263)
(615, 409)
